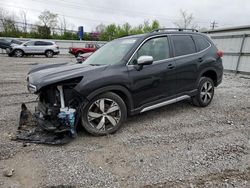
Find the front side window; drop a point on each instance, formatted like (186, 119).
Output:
(30, 43)
(183, 45)
(158, 48)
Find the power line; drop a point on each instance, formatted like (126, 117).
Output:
(213, 25)
(75, 17)
(68, 4)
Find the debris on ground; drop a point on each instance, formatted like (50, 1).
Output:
(8, 172)
(33, 129)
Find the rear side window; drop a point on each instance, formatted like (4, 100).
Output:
(183, 45)
(42, 43)
(201, 42)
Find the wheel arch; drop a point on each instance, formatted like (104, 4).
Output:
(18, 49)
(121, 91)
(49, 50)
(210, 73)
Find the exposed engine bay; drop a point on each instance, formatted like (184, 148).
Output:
(55, 118)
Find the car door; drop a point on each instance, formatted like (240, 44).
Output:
(186, 60)
(154, 82)
(39, 47)
(29, 47)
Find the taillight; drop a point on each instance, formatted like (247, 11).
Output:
(220, 53)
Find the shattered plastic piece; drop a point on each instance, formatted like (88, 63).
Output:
(35, 129)
(26, 117)
(67, 117)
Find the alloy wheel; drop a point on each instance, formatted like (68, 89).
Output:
(104, 114)
(18, 53)
(49, 54)
(206, 92)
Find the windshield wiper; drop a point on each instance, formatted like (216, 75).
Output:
(95, 64)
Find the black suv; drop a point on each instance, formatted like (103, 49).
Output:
(128, 76)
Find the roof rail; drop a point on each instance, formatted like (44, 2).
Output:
(174, 29)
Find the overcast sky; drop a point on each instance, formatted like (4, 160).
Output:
(93, 12)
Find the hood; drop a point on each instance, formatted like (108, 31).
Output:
(45, 75)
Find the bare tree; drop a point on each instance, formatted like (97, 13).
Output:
(186, 20)
(49, 19)
(7, 21)
(23, 17)
(100, 28)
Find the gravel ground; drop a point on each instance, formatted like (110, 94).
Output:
(175, 146)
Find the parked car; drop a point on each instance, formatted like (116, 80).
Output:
(47, 48)
(7, 43)
(129, 76)
(81, 58)
(89, 47)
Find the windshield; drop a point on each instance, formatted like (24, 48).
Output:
(112, 52)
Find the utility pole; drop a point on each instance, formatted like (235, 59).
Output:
(213, 25)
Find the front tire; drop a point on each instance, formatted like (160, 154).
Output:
(104, 114)
(18, 53)
(205, 92)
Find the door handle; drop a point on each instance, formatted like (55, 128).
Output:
(200, 59)
(170, 66)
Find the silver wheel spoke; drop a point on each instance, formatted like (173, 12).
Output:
(209, 87)
(209, 95)
(101, 123)
(205, 85)
(112, 120)
(203, 93)
(94, 115)
(112, 109)
(101, 105)
(205, 99)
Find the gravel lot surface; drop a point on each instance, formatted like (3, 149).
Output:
(175, 146)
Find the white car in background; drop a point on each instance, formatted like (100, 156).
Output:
(41, 47)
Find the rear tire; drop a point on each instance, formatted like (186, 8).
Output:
(49, 53)
(205, 92)
(104, 114)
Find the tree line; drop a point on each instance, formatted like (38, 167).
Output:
(51, 26)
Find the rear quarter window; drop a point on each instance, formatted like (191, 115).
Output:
(183, 45)
(201, 42)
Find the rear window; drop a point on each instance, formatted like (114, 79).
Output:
(183, 45)
(201, 42)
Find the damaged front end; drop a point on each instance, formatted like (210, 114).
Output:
(57, 113)
(58, 108)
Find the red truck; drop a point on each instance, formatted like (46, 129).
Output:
(89, 47)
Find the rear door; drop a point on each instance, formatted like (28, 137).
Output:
(186, 60)
(40, 47)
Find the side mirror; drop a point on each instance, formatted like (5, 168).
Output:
(79, 59)
(25, 44)
(143, 60)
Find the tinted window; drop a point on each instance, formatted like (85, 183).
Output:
(183, 45)
(201, 42)
(42, 43)
(30, 43)
(158, 48)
